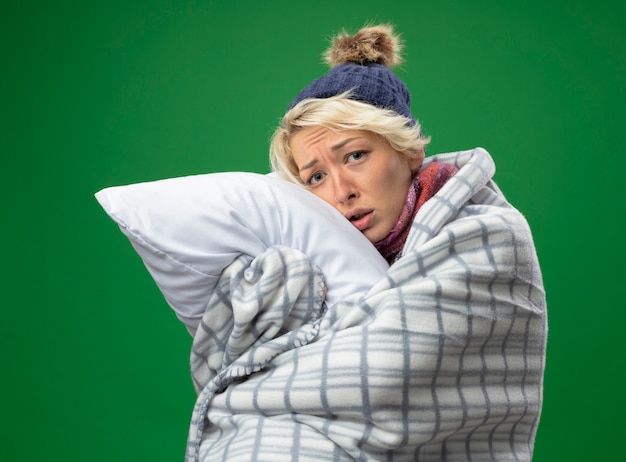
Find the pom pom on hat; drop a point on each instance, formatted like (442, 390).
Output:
(370, 45)
(360, 64)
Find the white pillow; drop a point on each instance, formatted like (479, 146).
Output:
(188, 229)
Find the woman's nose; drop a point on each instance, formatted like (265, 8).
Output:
(344, 189)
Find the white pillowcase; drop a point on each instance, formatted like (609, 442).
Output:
(188, 229)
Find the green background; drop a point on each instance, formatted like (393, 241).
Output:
(95, 94)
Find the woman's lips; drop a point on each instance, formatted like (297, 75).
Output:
(361, 219)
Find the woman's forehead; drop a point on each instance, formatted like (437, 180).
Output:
(331, 138)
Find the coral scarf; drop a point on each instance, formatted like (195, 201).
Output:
(424, 186)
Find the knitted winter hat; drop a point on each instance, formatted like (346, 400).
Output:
(360, 63)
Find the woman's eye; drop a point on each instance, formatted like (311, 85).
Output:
(315, 178)
(356, 156)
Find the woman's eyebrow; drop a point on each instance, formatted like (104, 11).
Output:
(333, 148)
(342, 143)
(309, 165)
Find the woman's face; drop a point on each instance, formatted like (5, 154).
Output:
(358, 173)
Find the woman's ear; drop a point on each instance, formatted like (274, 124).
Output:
(415, 163)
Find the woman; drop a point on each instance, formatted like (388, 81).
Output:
(351, 139)
(444, 358)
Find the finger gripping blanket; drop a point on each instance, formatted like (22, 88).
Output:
(442, 359)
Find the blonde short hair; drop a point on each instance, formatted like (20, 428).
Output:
(340, 112)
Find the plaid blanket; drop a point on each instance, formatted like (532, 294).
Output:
(442, 360)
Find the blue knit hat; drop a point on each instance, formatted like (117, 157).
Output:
(360, 64)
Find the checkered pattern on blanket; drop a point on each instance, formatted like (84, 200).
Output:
(442, 360)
